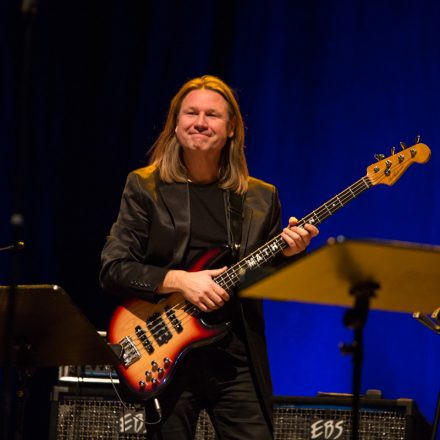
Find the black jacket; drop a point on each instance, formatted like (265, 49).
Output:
(150, 237)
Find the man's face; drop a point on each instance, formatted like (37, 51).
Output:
(203, 122)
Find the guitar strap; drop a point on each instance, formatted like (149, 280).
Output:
(235, 221)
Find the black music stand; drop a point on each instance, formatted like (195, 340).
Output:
(371, 274)
(49, 330)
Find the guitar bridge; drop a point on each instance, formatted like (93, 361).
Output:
(130, 353)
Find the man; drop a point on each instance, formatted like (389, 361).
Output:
(197, 194)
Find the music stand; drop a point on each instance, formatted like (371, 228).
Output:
(377, 274)
(49, 330)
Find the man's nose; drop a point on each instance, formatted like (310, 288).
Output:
(201, 122)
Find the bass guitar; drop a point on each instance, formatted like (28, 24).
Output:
(155, 337)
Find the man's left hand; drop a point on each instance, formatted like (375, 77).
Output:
(297, 238)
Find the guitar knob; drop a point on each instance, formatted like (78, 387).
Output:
(167, 362)
(154, 365)
(160, 372)
(141, 385)
(154, 382)
(148, 375)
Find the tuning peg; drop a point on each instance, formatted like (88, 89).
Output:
(402, 145)
(393, 150)
(379, 157)
(418, 139)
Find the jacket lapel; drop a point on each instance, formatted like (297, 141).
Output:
(176, 198)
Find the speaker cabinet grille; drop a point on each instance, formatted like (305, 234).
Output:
(331, 423)
(95, 419)
(97, 415)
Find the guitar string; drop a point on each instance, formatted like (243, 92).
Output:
(321, 213)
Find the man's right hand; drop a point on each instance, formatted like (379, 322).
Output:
(198, 288)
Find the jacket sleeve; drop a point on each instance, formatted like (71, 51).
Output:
(275, 215)
(275, 229)
(124, 271)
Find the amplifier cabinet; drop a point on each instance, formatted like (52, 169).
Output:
(329, 418)
(95, 413)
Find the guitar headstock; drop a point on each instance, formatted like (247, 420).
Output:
(389, 169)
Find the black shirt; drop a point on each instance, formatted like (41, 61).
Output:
(208, 220)
(209, 230)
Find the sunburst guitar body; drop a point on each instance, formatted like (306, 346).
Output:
(155, 337)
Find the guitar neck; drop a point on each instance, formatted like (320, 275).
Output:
(262, 255)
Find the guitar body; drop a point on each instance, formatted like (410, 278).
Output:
(156, 337)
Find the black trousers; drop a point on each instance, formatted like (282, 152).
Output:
(212, 379)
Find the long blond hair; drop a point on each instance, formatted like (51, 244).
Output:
(166, 152)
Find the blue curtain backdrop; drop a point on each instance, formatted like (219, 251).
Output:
(323, 86)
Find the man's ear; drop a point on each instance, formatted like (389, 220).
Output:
(231, 129)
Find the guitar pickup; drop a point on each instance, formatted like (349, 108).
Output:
(130, 353)
(158, 329)
(173, 319)
(140, 333)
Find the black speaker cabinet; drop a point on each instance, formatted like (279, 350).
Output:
(96, 413)
(329, 418)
